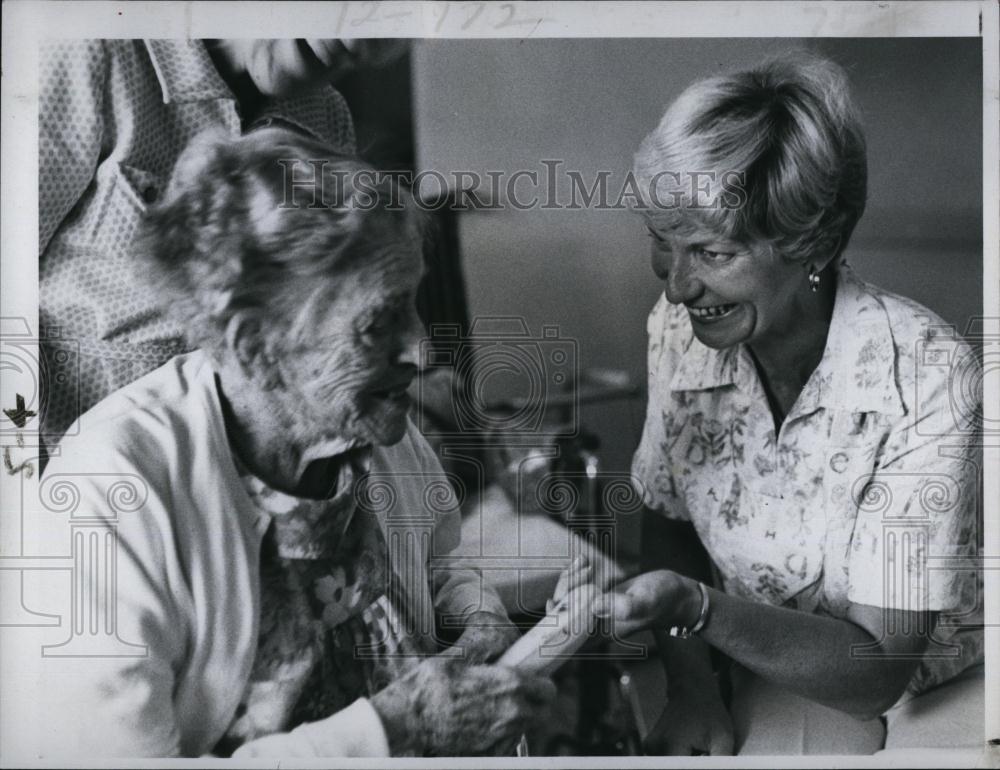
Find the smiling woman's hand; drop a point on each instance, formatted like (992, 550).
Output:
(653, 599)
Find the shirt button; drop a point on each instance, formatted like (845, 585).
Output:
(149, 194)
(838, 462)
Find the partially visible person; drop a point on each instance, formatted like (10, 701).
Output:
(800, 442)
(113, 117)
(276, 560)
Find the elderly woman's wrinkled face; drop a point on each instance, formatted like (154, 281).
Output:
(733, 293)
(360, 353)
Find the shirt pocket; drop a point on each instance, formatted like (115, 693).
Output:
(109, 222)
(137, 187)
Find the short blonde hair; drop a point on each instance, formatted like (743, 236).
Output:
(777, 151)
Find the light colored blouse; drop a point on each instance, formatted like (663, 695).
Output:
(869, 492)
(160, 669)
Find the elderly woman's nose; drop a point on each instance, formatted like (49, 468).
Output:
(409, 347)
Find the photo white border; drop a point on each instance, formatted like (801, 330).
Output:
(25, 23)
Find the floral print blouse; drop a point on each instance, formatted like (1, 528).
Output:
(868, 493)
(332, 625)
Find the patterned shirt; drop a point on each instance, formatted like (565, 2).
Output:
(868, 492)
(332, 627)
(113, 117)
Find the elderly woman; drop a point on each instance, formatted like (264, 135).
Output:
(275, 595)
(796, 433)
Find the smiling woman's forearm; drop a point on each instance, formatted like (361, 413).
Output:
(812, 654)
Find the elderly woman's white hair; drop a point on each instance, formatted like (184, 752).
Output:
(252, 225)
(773, 155)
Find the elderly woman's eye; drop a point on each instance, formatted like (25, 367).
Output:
(380, 324)
(375, 327)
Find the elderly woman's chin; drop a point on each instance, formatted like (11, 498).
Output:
(383, 422)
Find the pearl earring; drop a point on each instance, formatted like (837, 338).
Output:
(813, 279)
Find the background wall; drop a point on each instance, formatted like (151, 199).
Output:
(507, 104)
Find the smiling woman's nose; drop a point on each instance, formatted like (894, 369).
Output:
(681, 284)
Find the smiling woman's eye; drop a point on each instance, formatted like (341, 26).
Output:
(713, 256)
(651, 233)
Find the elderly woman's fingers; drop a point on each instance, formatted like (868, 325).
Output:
(446, 708)
(537, 690)
(500, 703)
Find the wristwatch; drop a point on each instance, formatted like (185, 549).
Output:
(684, 632)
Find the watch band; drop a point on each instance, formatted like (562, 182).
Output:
(684, 632)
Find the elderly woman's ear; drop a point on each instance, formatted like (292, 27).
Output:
(246, 347)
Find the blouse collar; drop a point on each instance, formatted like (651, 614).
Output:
(857, 372)
(186, 71)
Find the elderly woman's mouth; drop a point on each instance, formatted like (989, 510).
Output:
(397, 393)
(711, 312)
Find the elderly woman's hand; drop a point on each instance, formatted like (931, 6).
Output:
(445, 707)
(485, 638)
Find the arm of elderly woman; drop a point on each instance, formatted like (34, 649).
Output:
(440, 707)
(447, 707)
(486, 637)
(461, 595)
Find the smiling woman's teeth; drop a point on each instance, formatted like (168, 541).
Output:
(710, 312)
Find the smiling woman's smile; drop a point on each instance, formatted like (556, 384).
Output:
(734, 292)
(711, 312)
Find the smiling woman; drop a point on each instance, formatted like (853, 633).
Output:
(787, 437)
